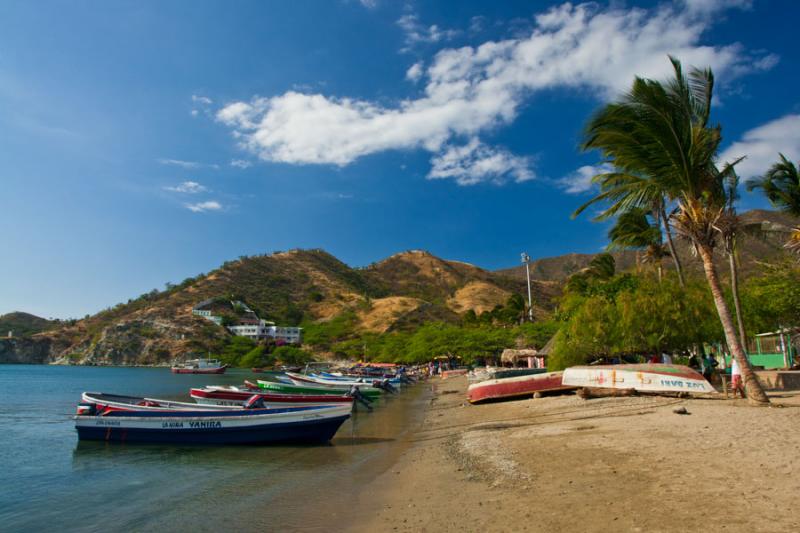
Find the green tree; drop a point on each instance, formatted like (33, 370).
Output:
(633, 231)
(781, 185)
(291, 355)
(660, 132)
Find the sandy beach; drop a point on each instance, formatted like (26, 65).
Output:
(561, 463)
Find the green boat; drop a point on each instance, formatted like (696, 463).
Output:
(285, 388)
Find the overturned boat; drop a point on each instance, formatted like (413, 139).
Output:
(516, 387)
(109, 417)
(638, 377)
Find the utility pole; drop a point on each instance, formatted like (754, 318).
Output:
(526, 260)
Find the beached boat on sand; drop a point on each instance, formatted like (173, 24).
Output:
(130, 419)
(218, 395)
(639, 377)
(515, 387)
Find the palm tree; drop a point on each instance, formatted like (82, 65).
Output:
(781, 185)
(623, 191)
(634, 231)
(660, 132)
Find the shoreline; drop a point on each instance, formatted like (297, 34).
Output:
(560, 463)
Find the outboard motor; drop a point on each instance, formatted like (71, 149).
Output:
(385, 385)
(86, 409)
(256, 401)
(359, 397)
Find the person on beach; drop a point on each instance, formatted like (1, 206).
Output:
(655, 359)
(666, 358)
(736, 379)
(709, 365)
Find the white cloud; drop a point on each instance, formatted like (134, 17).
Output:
(369, 4)
(202, 207)
(203, 100)
(416, 32)
(241, 163)
(414, 73)
(180, 163)
(761, 145)
(475, 162)
(187, 187)
(472, 90)
(580, 181)
(712, 6)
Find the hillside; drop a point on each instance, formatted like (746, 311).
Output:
(299, 286)
(752, 250)
(24, 324)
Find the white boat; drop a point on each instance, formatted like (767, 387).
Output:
(645, 378)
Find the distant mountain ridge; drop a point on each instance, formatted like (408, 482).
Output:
(399, 292)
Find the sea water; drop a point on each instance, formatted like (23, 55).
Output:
(51, 481)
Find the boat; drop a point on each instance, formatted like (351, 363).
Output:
(286, 388)
(217, 395)
(199, 366)
(639, 377)
(110, 417)
(317, 381)
(515, 387)
(482, 374)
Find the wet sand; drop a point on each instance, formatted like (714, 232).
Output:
(561, 463)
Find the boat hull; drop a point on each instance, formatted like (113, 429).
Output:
(285, 388)
(645, 378)
(516, 387)
(205, 431)
(235, 398)
(219, 370)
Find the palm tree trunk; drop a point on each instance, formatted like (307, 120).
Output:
(755, 394)
(671, 245)
(737, 304)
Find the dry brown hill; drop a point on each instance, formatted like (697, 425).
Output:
(397, 293)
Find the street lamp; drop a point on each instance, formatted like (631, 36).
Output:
(526, 261)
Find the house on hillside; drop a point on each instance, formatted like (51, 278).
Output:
(247, 323)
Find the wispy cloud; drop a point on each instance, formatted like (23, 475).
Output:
(472, 90)
(369, 4)
(418, 33)
(241, 163)
(580, 181)
(760, 146)
(203, 207)
(201, 104)
(475, 162)
(186, 164)
(414, 73)
(187, 187)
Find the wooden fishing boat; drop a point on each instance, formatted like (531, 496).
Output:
(239, 396)
(639, 377)
(285, 388)
(338, 381)
(131, 419)
(199, 366)
(515, 387)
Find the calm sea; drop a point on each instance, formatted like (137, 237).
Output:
(49, 481)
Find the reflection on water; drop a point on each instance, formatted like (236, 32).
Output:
(100, 486)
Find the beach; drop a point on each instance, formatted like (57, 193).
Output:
(561, 463)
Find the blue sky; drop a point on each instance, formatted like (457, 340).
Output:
(145, 142)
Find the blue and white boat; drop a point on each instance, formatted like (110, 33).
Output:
(109, 417)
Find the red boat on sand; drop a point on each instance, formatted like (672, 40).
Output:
(199, 366)
(516, 387)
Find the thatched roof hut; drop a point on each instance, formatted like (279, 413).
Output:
(547, 348)
(510, 356)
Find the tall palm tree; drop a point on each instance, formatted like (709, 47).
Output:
(633, 231)
(781, 185)
(660, 132)
(623, 191)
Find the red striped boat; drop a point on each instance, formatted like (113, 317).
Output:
(516, 387)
